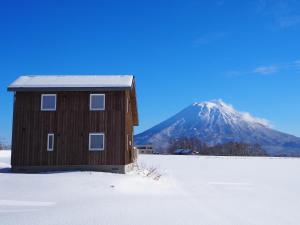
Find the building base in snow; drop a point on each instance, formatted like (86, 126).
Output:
(103, 168)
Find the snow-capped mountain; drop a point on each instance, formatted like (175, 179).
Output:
(216, 122)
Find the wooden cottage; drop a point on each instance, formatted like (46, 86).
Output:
(73, 122)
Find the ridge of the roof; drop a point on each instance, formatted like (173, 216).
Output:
(62, 82)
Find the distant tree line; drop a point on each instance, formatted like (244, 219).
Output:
(3, 146)
(226, 149)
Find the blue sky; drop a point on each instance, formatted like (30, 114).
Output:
(247, 54)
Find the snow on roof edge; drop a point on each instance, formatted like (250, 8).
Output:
(71, 81)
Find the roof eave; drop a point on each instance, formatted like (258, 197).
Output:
(39, 89)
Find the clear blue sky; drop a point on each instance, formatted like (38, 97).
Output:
(246, 53)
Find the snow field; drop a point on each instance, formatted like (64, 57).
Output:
(191, 190)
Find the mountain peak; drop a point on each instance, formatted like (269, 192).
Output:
(213, 103)
(214, 122)
(218, 106)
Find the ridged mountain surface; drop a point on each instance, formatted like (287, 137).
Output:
(216, 122)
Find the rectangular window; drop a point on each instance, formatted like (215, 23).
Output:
(129, 143)
(96, 141)
(48, 102)
(127, 105)
(97, 102)
(50, 142)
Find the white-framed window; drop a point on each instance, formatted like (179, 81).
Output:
(50, 142)
(129, 141)
(127, 105)
(96, 141)
(48, 102)
(97, 102)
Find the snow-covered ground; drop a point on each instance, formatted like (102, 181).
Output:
(192, 190)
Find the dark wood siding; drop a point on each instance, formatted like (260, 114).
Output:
(71, 124)
(129, 157)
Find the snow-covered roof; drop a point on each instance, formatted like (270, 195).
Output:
(72, 82)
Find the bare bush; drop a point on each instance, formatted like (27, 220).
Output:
(151, 172)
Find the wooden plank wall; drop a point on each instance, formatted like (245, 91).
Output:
(71, 123)
(128, 129)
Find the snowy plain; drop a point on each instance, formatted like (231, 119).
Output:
(193, 190)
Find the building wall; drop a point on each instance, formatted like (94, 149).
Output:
(71, 123)
(129, 155)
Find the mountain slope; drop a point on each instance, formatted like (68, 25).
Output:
(216, 122)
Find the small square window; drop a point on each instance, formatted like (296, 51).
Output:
(96, 141)
(50, 142)
(97, 102)
(48, 102)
